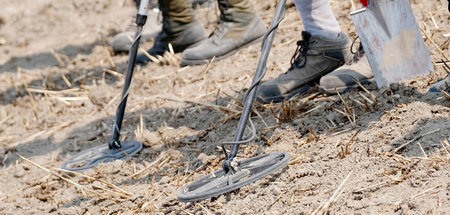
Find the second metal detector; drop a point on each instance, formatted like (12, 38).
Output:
(235, 174)
(115, 149)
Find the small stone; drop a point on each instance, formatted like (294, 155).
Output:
(205, 158)
(19, 173)
(393, 86)
(150, 138)
(276, 191)
(2, 41)
(165, 180)
(101, 95)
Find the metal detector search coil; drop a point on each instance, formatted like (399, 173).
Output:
(100, 154)
(220, 182)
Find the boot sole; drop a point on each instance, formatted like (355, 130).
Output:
(346, 88)
(287, 96)
(301, 89)
(218, 58)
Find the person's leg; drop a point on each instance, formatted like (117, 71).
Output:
(239, 26)
(321, 51)
(318, 18)
(177, 14)
(180, 28)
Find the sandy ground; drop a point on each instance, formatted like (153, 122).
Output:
(337, 165)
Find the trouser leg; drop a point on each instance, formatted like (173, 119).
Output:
(318, 18)
(176, 15)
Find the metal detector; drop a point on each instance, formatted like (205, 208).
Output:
(115, 149)
(235, 174)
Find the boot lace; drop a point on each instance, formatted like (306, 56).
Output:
(358, 54)
(220, 31)
(299, 58)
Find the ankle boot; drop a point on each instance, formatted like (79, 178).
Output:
(239, 27)
(180, 28)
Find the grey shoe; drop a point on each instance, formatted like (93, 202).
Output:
(345, 78)
(121, 41)
(192, 34)
(315, 57)
(228, 38)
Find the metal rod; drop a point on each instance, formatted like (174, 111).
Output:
(129, 75)
(141, 18)
(260, 70)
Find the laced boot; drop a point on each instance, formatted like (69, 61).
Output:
(315, 57)
(179, 28)
(121, 41)
(239, 27)
(345, 78)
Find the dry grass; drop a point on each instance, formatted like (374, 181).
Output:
(286, 111)
(345, 148)
(323, 208)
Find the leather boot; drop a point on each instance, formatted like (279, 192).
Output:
(345, 78)
(315, 57)
(180, 28)
(239, 27)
